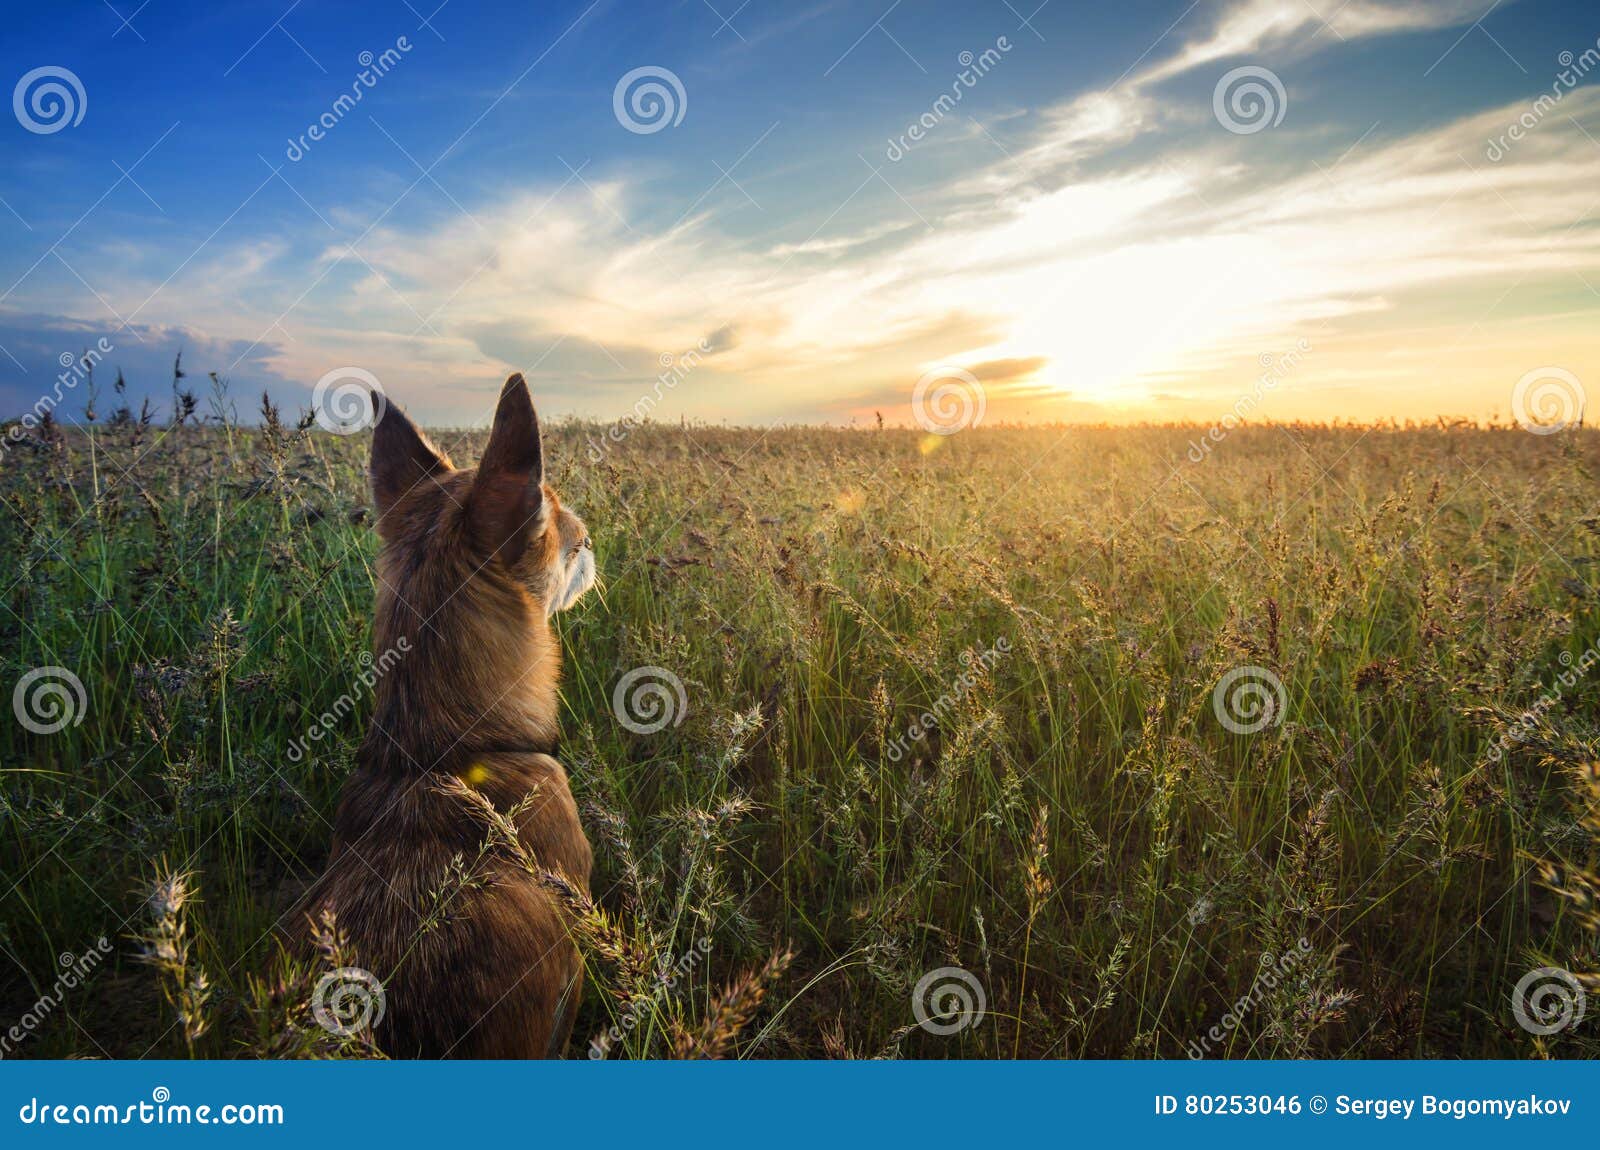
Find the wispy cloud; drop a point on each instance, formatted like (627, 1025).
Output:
(1261, 25)
(1154, 270)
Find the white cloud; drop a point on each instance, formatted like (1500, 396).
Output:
(1156, 270)
(1258, 25)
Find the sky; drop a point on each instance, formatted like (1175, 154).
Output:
(751, 212)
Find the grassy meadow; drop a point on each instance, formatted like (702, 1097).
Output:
(1111, 867)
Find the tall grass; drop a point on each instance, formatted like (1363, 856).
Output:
(780, 867)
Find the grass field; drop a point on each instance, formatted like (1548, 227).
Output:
(1121, 861)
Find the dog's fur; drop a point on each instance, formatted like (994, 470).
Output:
(473, 563)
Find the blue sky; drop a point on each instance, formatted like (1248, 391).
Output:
(1081, 233)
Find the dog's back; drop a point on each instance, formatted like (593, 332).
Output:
(474, 950)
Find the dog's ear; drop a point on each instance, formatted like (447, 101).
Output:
(402, 457)
(506, 508)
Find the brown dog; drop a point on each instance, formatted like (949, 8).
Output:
(472, 951)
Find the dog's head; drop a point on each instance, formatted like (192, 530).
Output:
(501, 517)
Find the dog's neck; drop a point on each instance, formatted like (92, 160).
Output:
(478, 673)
